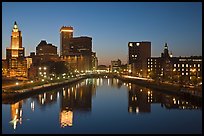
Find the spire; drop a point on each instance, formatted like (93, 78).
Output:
(165, 47)
(15, 27)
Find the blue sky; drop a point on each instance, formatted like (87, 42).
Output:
(110, 24)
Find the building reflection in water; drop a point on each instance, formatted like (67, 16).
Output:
(77, 97)
(16, 113)
(141, 98)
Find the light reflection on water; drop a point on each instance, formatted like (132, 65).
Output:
(102, 106)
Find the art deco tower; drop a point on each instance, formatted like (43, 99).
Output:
(16, 49)
(15, 55)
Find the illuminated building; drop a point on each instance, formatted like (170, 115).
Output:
(66, 33)
(45, 55)
(138, 54)
(76, 51)
(94, 61)
(180, 68)
(17, 65)
(4, 67)
(115, 65)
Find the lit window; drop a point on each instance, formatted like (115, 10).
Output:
(198, 69)
(138, 44)
(186, 65)
(148, 69)
(182, 69)
(178, 69)
(151, 69)
(39, 68)
(194, 65)
(148, 59)
(178, 65)
(186, 73)
(148, 66)
(132, 55)
(135, 55)
(186, 69)
(198, 65)
(174, 65)
(182, 73)
(148, 62)
(151, 62)
(45, 68)
(44, 73)
(130, 44)
(182, 65)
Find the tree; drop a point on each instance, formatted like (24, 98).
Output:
(58, 68)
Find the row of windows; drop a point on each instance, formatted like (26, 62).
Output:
(186, 65)
(192, 70)
(152, 63)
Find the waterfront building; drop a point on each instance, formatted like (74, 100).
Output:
(115, 65)
(177, 69)
(4, 67)
(46, 54)
(94, 61)
(15, 55)
(76, 51)
(138, 53)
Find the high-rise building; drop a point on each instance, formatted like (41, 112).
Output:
(66, 34)
(76, 51)
(16, 49)
(138, 54)
(15, 55)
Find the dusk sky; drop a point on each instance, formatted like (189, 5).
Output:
(110, 24)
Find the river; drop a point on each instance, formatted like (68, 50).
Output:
(102, 106)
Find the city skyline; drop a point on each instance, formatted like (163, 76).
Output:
(178, 24)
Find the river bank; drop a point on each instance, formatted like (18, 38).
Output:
(165, 87)
(15, 96)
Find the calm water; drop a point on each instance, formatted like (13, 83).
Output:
(102, 106)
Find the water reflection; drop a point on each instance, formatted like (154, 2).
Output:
(78, 98)
(140, 100)
(16, 114)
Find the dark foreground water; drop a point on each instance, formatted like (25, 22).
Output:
(102, 106)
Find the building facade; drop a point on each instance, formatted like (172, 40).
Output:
(76, 51)
(115, 65)
(138, 53)
(15, 55)
(177, 69)
(46, 55)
